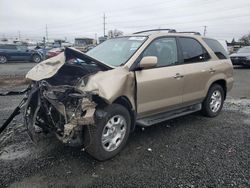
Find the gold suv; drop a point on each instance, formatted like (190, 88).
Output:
(96, 99)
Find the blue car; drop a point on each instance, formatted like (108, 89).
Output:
(13, 52)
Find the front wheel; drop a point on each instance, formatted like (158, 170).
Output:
(3, 59)
(110, 134)
(36, 58)
(214, 100)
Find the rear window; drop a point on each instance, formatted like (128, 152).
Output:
(217, 48)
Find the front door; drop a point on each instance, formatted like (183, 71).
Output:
(160, 88)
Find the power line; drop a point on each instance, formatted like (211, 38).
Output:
(55, 26)
(179, 16)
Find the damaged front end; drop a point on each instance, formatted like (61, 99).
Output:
(68, 93)
(62, 110)
(55, 103)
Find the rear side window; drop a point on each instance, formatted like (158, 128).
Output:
(217, 48)
(192, 50)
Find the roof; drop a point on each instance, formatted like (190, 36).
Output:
(166, 32)
(161, 33)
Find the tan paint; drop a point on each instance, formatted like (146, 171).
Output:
(148, 62)
(112, 84)
(47, 68)
(157, 89)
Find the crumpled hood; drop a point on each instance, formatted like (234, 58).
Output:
(108, 83)
(48, 68)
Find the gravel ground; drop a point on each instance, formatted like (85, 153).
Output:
(12, 69)
(191, 151)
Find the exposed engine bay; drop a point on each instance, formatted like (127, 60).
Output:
(56, 105)
(66, 92)
(60, 109)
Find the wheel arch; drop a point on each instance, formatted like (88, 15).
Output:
(222, 83)
(124, 101)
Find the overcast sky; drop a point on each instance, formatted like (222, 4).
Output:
(224, 19)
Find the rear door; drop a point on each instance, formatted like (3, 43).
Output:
(197, 69)
(160, 88)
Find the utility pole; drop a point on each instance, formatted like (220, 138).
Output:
(46, 29)
(44, 53)
(95, 38)
(104, 24)
(205, 30)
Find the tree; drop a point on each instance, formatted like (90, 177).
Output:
(245, 39)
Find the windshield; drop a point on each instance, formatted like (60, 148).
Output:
(116, 52)
(244, 50)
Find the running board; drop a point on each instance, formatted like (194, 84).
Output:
(148, 121)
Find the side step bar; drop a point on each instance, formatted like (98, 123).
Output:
(148, 121)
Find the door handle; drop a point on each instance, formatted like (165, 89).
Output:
(178, 75)
(211, 70)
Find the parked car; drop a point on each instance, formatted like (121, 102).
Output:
(13, 52)
(54, 52)
(95, 100)
(241, 57)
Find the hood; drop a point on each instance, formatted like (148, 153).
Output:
(240, 55)
(48, 68)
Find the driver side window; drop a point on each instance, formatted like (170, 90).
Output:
(165, 49)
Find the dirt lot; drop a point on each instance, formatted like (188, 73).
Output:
(192, 151)
(15, 68)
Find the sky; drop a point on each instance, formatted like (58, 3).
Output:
(225, 19)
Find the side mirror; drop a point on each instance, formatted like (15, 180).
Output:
(148, 62)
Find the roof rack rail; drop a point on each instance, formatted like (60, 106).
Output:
(145, 31)
(191, 32)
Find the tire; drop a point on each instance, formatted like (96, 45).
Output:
(36, 58)
(105, 139)
(3, 59)
(214, 100)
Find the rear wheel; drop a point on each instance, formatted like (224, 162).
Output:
(107, 138)
(214, 100)
(3, 59)
(36, 58)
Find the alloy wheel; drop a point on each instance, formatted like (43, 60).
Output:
(113, 133)
(215, 101)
